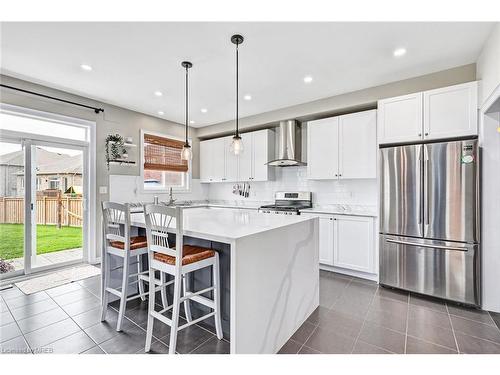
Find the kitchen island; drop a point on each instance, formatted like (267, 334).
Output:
(270, 270)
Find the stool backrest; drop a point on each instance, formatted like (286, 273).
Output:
(160, 220)
(116, 222)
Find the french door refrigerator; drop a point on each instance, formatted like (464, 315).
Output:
(429, 219)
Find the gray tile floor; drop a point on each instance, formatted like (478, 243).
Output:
(357, 316)
(354, 316)
(66, 319)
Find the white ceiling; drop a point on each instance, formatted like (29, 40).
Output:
(132, 60)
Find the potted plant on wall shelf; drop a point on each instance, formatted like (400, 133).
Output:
(115, 148)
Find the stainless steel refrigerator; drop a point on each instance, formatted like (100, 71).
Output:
(429, 219)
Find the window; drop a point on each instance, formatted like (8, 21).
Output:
(28, 124)
(54, 184)
(38, 184)
(162, 166)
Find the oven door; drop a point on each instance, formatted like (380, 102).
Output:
(442, 269)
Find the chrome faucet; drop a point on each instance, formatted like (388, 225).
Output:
(171, 199)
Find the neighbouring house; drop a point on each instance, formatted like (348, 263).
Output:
(55, 171)
(10, 164)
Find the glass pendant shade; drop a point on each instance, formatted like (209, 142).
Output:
(237, 145)
(187, 152)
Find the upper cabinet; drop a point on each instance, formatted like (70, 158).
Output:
(451, 111)
(213, 160)
(322, 150)
(219, 164)
(447, 112)
(358, 145)
(342, 147)
(400, 119)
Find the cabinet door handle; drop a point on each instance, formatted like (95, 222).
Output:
(419, 134)
(336, 175)
(340, 175)
(426, 134)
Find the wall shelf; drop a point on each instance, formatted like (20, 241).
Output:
(125, 144)
(122, 162)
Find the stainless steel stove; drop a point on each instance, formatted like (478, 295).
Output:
(288, 203)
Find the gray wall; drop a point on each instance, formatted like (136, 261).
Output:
(345, 103)
(113, 120)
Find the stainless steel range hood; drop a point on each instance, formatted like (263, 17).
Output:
(290, 145)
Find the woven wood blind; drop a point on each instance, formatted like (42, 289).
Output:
(163, 154)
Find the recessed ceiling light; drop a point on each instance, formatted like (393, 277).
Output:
(158, 93)
(191, 122)
(308, 79)
(161, 113)
(398, 52)
(247, 97)
(204, 110)
(86, 67)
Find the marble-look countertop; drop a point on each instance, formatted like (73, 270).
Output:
(344, 209)
(225, 224)
(332, 209)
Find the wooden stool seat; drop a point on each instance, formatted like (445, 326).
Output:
(135, 243)
(190, 254)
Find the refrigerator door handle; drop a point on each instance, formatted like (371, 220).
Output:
(441, 247)
(426, 181)
(419, 182)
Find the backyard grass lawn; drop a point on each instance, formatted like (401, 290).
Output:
(49, 239)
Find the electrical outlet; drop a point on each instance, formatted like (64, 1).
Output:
(103, 190)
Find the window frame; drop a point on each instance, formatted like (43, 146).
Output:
(165, 189)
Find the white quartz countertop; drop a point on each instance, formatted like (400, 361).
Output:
(341, 209)
(226, 224)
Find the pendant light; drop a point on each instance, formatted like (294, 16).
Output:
(237, 144)
(187, 152)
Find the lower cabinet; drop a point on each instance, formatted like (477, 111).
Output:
(347, 242)
(354, 243)
(326, 240)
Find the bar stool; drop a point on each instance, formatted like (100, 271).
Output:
(160, 220)
(117, 242)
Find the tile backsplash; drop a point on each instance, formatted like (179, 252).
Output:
(295, 178)
(325, 192)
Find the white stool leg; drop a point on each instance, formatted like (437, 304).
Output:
(105, 281)
(216, 283)
(163, 290)
(140, 282)
(175, 314)
(187, 306)
(123, 298)
(151, 306)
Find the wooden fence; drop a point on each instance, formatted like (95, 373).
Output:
(49, 211)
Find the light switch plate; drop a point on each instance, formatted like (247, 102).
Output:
(103, 190)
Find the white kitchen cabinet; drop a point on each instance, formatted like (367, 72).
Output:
(322, 149)
(450, 111)
(400, 119)
(354, 243)
(326, 240)
(219, 159)
(343, 147)
(326, 229)
(447, 112)
(263, 151)
(218, 164)
(231, 162)
(357, 145)
(206, 161)
(246, 158)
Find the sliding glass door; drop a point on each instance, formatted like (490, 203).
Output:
(57, 198)
(44, 187)
(12, 208)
